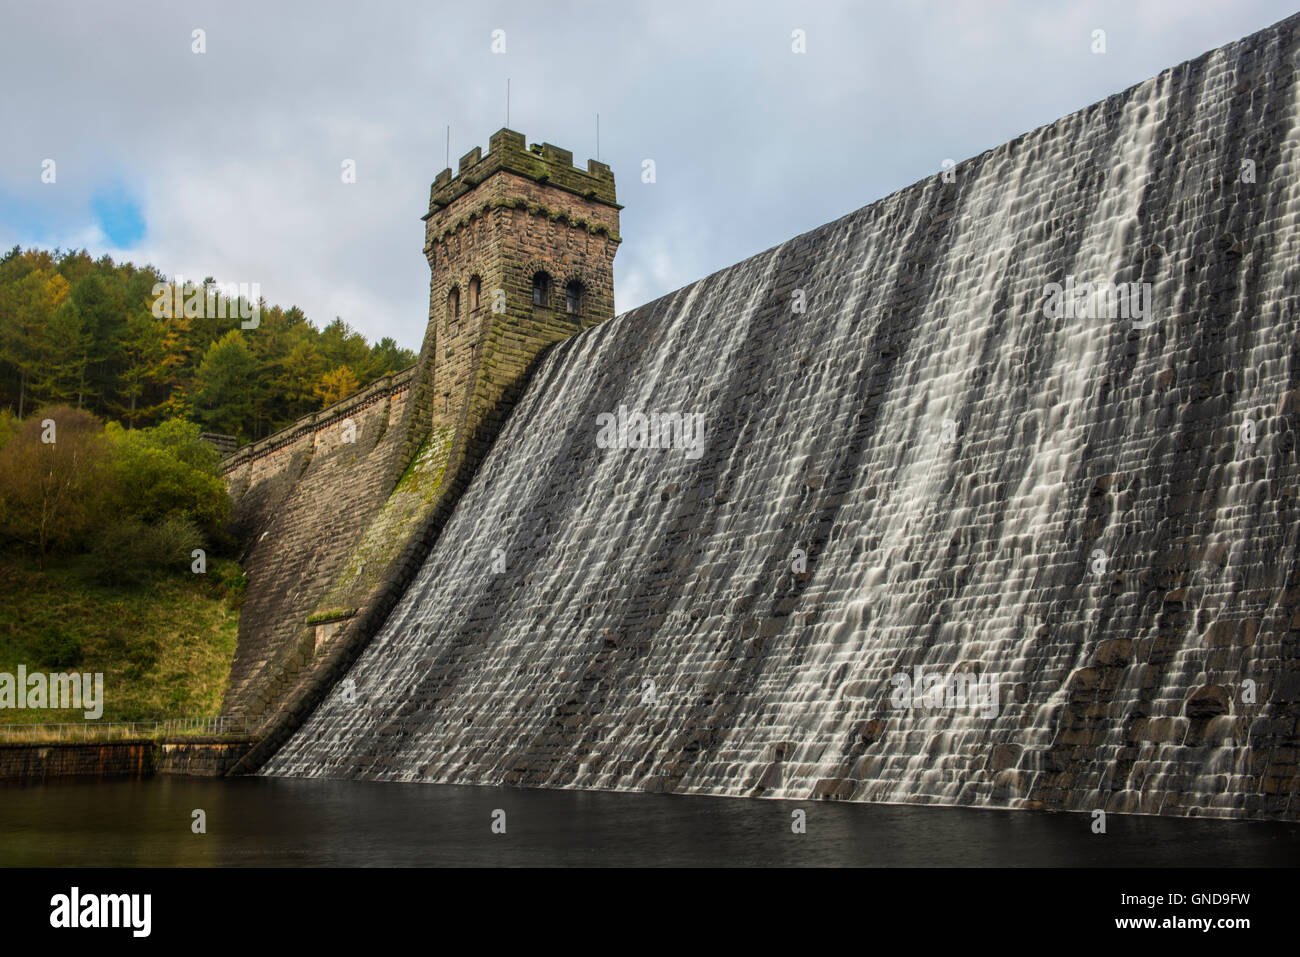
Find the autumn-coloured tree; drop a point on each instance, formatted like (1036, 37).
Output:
(302, 369)
(51, 480)
(335, 385)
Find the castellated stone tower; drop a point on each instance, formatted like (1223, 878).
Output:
(521, 247)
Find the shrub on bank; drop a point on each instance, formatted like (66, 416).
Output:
(123, 505)
(132, 552)
(57, 647)
(53, 474)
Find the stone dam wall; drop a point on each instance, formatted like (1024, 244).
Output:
(1082, 521)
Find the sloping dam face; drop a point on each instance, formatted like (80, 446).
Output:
(1077, 514)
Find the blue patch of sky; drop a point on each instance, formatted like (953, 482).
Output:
(119, 215)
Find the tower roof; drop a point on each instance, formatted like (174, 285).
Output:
(546, 163)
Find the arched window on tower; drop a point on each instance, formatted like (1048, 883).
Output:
(474, 288)
(453, 304)
(541, 289)
(573, 297)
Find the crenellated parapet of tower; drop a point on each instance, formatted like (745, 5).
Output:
(541, 163)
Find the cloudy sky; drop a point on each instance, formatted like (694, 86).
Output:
(227, 163)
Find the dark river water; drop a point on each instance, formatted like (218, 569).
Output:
(291, 822)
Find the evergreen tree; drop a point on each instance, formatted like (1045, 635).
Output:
(223, 397)
(29, 305)
(62, 351)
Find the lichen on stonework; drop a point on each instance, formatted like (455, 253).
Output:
(416, 491)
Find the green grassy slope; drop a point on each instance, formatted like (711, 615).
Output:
(164, 648)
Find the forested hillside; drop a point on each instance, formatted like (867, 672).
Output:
(85, 332)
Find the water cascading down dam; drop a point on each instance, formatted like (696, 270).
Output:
(985, 494)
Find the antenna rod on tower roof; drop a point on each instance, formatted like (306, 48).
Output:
(507, 102)
(597, 137)
(449, 146)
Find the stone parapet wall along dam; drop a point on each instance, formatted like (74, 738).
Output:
(1088, 513)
